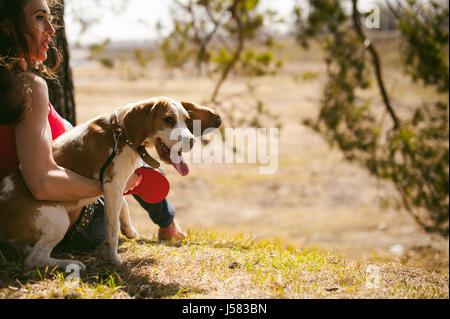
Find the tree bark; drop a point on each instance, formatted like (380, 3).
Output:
(61, 90)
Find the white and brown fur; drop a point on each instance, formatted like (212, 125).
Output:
(40, 225)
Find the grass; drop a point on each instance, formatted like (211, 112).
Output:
(216, 265)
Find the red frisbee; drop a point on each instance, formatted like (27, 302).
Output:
(152, 186)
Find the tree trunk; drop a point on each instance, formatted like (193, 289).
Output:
(61, 91)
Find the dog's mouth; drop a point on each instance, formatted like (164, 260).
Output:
(177, 161)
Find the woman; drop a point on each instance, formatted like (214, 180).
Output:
(28, 124)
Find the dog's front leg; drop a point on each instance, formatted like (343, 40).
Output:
(126, 227)
(113, 205)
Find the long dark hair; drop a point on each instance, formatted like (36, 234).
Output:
(15, 62)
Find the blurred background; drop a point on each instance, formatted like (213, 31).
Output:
(357, 89)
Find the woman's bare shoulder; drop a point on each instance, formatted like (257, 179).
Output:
(35, 82)
(24, 84)
(31, 91)
(38, 90)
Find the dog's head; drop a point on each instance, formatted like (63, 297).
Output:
(170, 126)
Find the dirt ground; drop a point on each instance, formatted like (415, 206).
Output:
(316, 198)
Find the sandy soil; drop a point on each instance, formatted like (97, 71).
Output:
(316, 198)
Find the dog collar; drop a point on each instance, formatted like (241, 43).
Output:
(119, 136)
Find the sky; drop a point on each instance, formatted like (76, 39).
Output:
(134, 20)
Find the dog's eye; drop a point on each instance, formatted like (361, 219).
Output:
(170, 121)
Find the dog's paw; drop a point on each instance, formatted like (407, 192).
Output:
(114, 258)
(110, 255)
(130, 232)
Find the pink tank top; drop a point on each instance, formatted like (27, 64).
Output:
(8, 152)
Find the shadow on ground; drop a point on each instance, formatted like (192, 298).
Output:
(19, 281)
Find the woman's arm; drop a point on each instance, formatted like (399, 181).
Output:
(45, 179)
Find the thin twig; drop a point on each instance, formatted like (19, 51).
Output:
(376, 63)
(393, 11)
(207, 39)
(240, 47)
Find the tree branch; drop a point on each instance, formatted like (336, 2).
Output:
(393, 10)
(376, 63)
(240, 47)
(207, 39)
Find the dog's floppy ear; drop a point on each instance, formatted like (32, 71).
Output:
(136, 123)
(208, 118)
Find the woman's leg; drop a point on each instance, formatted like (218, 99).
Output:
(89, 231)
(162, 213)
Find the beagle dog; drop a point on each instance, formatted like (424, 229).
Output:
(110, 148)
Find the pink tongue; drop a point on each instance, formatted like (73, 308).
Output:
(181, 167)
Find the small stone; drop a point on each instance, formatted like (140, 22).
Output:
(397, 250)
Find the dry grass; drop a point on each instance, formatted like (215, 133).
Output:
(214, 265)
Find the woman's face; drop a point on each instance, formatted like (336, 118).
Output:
(38, 28)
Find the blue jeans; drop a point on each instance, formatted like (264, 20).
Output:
(162, 213)
(89, 231)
